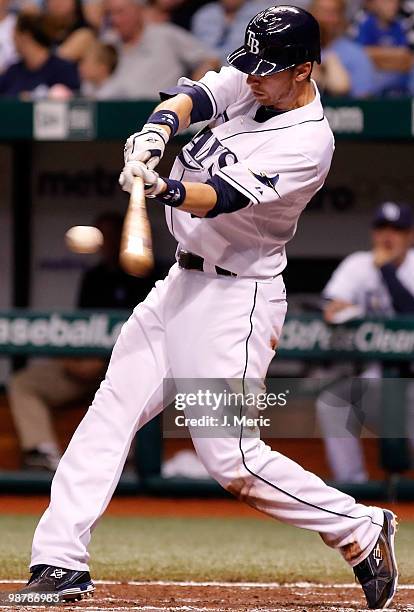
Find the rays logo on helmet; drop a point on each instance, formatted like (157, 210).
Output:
(252, 42)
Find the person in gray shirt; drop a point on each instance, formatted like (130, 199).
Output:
(152, 57)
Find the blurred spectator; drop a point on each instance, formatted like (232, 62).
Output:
(72, 36)
(39, 387)
(179, 12)
(39, 69)
(221, 25)
(345, 68)
(152, 57)
(8, 53)
(96, 68)
(376, 282)
(381, 32)
(92, 9)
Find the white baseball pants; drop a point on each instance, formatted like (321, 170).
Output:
(192, 325)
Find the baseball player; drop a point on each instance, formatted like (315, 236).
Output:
(368, 283)
(232, 201)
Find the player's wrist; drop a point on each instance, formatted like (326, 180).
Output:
(167, 121)
(173, 193)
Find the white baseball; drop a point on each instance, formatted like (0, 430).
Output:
(83, 239)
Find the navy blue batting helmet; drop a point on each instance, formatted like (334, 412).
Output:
(276, 39)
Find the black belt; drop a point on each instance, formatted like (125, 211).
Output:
(189, 261)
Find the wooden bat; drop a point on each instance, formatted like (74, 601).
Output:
(136, 256)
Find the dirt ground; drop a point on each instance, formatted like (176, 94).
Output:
(223, 598)
(150, 506)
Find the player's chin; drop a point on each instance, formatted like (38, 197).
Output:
(260, 97)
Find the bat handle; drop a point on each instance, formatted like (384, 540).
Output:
(138, 192)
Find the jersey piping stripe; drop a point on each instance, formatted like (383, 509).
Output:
(285, 127)
(239, 187)
(210, 95)
(301, 501)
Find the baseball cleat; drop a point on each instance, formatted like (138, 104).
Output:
(378, 573)
(70, 585)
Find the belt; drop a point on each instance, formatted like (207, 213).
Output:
(189, 261)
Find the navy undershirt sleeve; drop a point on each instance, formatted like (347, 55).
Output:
(228, 198)
(402, 299)
(202, 106)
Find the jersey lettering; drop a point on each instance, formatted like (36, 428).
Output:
(206, 147)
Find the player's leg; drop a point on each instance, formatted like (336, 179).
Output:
(229, 333)
(88, 473)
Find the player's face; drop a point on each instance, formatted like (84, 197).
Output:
(396, 241)
(280, 90)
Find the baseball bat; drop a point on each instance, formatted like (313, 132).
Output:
(136, 256)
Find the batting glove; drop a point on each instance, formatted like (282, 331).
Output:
(147, 146)
(153, 183)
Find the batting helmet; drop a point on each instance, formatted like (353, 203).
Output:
(276, 39)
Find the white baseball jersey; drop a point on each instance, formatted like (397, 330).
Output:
(278, 165)
(357, 280)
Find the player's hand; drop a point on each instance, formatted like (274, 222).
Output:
(153, 183)
(147, 146)
(383, 256)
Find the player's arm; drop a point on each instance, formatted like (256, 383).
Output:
(210, 199)
(148, 145)
(187, 103)
(398, 59)
(343, 290)
(333, 307)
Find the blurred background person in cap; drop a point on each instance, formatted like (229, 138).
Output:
(379, 282)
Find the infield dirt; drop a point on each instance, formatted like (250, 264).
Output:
(171, 598)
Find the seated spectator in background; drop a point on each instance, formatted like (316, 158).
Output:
(152, 57)
(377, 282)
(179, 12)
(92, 9)
(221, 25)
(355, 71)
(72, 36)
(39, 69)
(381, 32)
(39, 387)
(8, 54)
(95, 69)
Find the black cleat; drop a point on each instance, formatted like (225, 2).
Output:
(378, 573)
(69, 585)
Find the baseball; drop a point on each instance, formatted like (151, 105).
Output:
(83, 239)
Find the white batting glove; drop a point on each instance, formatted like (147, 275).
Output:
(146, 146)
(153, 183)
